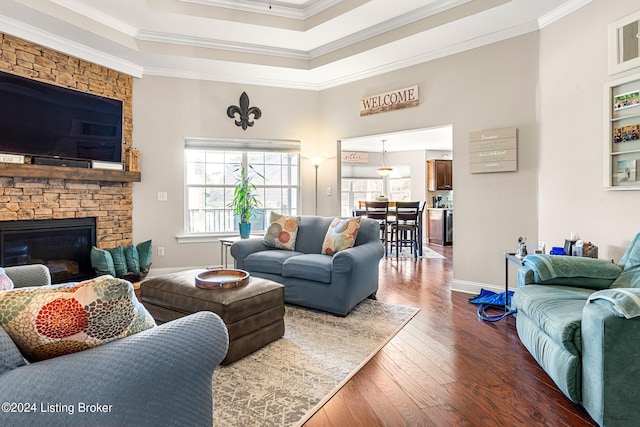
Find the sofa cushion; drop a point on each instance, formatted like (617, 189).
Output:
(5, 282)
(282, 231)
(341, 235)
(132, 259)
(268, 261)
(580, 272)
(315, 267)
(145, 253)
(119, 260)
(102, 261)
(557, 310)
(50, 321)
(10, 356)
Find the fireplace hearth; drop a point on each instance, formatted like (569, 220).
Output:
(63, 245)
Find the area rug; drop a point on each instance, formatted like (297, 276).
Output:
(286, 382)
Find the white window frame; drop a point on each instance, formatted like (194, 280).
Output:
(244, 147)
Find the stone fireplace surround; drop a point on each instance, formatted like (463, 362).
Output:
(25, 198)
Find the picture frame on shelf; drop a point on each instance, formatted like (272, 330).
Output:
(626, 100)
(626, 133)
(626, 170)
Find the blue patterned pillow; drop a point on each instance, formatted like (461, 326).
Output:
(341, 235)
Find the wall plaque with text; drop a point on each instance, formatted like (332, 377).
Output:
(493, 150)
(394, 100)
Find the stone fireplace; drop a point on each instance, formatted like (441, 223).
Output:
(63, 245)
(36, 193)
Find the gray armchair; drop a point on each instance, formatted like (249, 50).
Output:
(162, 376)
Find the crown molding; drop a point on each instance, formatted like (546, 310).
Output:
(372, 72)
(273, 8)
(226, 78)
(98, 16)
(561, 12)
(191, 41)
(386, 26)
(44, 38)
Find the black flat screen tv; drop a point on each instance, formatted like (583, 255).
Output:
(43, 120)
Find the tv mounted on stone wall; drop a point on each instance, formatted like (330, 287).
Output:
(44, 120)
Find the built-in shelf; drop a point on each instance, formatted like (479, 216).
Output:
(61, 172)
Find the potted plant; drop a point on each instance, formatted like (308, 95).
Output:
(244, 200)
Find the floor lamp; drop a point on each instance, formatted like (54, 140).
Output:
(315, 161)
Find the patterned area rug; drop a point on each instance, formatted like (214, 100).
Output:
(284, 383)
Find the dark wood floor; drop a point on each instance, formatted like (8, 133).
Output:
(446, 367)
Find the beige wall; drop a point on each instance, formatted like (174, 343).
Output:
(494, 86)
(573, 73)
(167, 110)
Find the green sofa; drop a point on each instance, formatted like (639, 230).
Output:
(580, 319)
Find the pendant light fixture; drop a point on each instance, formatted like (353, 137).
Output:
(384, 169)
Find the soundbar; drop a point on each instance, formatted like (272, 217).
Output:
(52, 161)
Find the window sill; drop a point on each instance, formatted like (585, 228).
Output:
(202, 237)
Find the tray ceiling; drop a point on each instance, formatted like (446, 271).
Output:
(308, 44)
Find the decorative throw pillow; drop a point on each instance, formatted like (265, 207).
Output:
(5, 282)
(119, 260)
(102, 261)
(50, 321)
(131, 257)
(282, 232)
(341, 235)
(144, 254)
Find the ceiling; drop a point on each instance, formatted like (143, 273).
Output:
(305, 44)
(437, 138)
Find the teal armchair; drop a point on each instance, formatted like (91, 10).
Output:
(580, 319)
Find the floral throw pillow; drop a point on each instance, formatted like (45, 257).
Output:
(49, 321)
(282, 232)
(341, 235)
(5, 281)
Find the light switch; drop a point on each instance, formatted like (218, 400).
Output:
(329, 191)
(162, 196)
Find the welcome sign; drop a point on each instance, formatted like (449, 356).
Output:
(394, 100)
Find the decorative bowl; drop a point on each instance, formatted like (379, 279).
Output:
(222, 279)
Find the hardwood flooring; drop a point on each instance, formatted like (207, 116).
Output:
(446, 367)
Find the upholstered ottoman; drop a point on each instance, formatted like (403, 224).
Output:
(253, 313)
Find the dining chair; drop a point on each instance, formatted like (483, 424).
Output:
(380, 212)
(421, 226)
(405, 230)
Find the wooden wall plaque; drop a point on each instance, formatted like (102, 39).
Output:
(493, 150)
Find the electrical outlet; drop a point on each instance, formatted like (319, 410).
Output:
(160, 250)
(162, 196)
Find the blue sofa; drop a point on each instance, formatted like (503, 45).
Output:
(161, 376)
(580, 319)
(334, 284)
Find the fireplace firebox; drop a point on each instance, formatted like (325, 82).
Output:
(63, 245)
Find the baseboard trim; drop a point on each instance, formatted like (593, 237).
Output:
(473, 287)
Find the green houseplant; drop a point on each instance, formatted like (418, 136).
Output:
(245, 199)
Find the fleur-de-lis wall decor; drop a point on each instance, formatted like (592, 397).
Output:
(244, 112)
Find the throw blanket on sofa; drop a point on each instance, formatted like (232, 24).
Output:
(548, 267)
(625, 302)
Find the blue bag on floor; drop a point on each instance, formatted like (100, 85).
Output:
(491, 300)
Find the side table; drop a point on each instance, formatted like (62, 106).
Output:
(516, 259)
(225, 244)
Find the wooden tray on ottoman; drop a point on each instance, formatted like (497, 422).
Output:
(222, 279)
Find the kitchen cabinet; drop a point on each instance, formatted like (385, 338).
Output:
(440, 226)
(439, 175)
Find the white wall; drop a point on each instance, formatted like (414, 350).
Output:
(573, 72)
